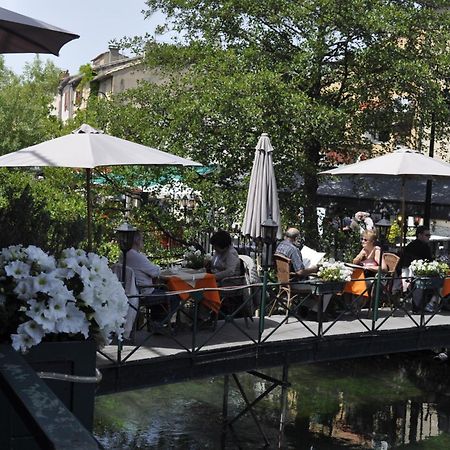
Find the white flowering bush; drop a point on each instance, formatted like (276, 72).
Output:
(424, 268)
(74, 297)
(334, 271)
(194, 258)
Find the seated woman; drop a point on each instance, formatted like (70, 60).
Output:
(370, 254)
(225, 261)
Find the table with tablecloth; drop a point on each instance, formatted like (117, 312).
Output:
(187, 279)
(358, 284)
(446, 287)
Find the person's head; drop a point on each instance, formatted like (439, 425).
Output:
(292, 234)
(220, 241)
(423, 233)
(361, 215)
(368, 238)
(138, 241)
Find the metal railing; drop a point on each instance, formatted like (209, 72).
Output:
(256, 301)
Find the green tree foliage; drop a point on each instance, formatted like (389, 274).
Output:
(25, 105)
(315, 75)
(44, 207)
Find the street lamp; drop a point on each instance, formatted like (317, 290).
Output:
(383, 227)
(125, 237)
(269, 229)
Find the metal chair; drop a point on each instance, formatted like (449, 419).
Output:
(236, 299)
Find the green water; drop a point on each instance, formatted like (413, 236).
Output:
(400, 402)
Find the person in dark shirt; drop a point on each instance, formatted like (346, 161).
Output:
(419, 248)
(422, 299)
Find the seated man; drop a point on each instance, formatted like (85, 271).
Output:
(145, 271)
(419, 249)
(290, 249)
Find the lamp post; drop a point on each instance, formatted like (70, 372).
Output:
(125, 237)
(383, 226)
(184, 204)
(269, 230)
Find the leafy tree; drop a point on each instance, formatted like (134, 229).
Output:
(25, 105)
(315, 75)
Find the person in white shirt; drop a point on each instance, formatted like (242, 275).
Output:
(145, 272)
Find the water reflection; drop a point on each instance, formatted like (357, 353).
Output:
(383, 403)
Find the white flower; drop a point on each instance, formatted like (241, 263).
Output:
(424, 268)
(78, 294)
(334, 271)
(17, 269)
(21, 342)
(32, 329)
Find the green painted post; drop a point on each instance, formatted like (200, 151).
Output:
(262, 309)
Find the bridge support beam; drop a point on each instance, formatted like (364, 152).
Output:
(228, 424)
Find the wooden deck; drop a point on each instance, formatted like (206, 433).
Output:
(163, 359)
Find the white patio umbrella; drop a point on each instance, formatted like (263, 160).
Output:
(22, 34)
(403, 162)
(88, 148)
(262, 197)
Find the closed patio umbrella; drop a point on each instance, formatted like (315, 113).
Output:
(22, 34)
(262, 197)
(88, 148)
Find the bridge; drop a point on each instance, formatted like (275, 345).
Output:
(238, 344)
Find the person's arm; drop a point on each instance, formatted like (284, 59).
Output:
(360, 257)
(299, 267)
(147, 267)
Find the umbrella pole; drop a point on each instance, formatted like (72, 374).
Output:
(89, 209)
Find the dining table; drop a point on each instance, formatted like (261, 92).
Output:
(185, 279)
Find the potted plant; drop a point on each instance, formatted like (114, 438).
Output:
(57, 312)
(429, 274)
(332, 276)
(194, 258)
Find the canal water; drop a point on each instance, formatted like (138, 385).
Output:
(392, 402)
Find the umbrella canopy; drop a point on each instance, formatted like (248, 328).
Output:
(403, 162)
(22, 34)
(262, 197)
(88, 148)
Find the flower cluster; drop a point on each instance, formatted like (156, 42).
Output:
(77, 296)
(334, 271)
(424, 268)
(194, 258)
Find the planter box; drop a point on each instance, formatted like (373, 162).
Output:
(328, 287)
(74, 358)
(429, 283)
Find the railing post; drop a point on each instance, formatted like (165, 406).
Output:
(262, 308)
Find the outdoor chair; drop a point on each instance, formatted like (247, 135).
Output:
(236, 301)
(285, 291)
(138, 301)
(386, 295)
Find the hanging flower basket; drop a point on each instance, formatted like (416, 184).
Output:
(329, 287)
(429, 283)
(332, 277)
